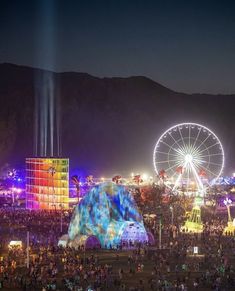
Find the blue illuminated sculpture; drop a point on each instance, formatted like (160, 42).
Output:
(108, 212)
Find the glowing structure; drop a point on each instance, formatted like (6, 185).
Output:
(194, 223)
(190, 155)
(47, 183)
(108, 212)
(89, 242)
(230, 228)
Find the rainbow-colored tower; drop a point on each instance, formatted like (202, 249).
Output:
(47, 183)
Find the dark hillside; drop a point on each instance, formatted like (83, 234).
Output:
(108, 124)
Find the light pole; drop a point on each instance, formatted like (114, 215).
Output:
(228, 202)
(27, 249)
(159, 215)
(61, 218)
(172, 215)
(84, 258)
(13, 195)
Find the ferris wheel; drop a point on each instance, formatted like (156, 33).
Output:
(188, 155)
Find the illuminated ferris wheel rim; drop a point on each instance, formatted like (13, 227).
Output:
(195, 125)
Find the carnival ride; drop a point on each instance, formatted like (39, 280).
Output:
(188, 156)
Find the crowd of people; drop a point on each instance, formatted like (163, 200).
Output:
(172, 265)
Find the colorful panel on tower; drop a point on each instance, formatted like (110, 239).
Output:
(47, 183)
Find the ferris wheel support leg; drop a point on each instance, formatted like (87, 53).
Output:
(177, 182)
(178, 178)
(199, 182)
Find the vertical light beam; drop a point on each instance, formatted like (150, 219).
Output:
(47, 139)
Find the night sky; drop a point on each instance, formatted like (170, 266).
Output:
(188, 46)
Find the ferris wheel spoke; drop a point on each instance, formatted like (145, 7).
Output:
(175, 165)
(165, 153)
(179, 154)
(203, 142)
(206, 149)
(171, 147)
(219, 154)
(172, 167)
(189, 131)
(207, 170)
(175, 141)
(198, 159)
(199, 131)
(186, 149)
(168, 161)
(193, 151)
(181, 136)
(212, 163)
(197, 164)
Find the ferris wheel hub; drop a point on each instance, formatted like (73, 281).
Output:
(188, 158)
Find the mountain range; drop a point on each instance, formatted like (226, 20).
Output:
(108, 125)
